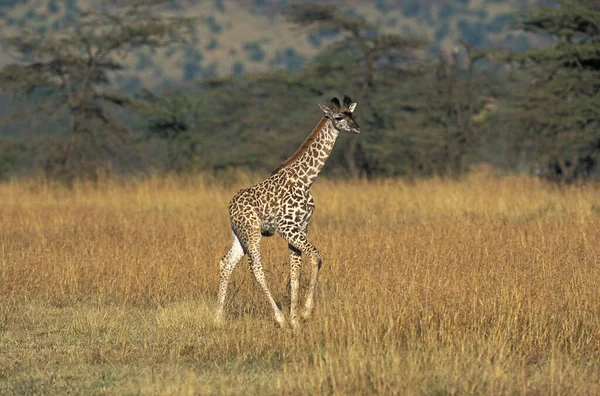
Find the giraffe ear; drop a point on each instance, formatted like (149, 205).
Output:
(325, 109)
(351, 107)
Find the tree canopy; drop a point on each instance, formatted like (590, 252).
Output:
(421, 113)
(69, 72)
(558, 105)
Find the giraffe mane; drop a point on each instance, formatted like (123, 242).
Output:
(302, 149)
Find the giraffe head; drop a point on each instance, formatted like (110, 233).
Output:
(341, 115)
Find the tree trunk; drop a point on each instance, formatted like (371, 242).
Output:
(567, 170)
(350, 157)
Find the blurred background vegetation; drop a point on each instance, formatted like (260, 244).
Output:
(118, 88)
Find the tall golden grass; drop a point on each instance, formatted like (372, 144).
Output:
(486, 285)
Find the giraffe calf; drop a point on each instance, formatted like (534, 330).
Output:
(283, 205)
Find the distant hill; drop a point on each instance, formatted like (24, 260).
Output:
(242, 36)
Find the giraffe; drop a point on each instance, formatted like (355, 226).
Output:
(283, 204)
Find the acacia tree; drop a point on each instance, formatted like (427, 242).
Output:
(70, 71)
(174, 117)
(559, 107)
(377, 53)
(454, 106)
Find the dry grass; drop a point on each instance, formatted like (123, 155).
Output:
(481, 286)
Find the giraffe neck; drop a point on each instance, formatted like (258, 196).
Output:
(317, 149)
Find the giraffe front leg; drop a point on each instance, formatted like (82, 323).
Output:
(226, 266)
(295, 273)
(254, 260)
(297, 239)
(316, 262)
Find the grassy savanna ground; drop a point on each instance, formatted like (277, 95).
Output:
(480, 286)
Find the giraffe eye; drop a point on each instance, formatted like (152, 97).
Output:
(338, 118)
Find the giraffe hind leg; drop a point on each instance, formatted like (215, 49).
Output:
(226, 266)
(296, 238)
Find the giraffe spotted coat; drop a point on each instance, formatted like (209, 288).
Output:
(283, 204)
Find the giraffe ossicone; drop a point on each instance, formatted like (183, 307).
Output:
(283, 205)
